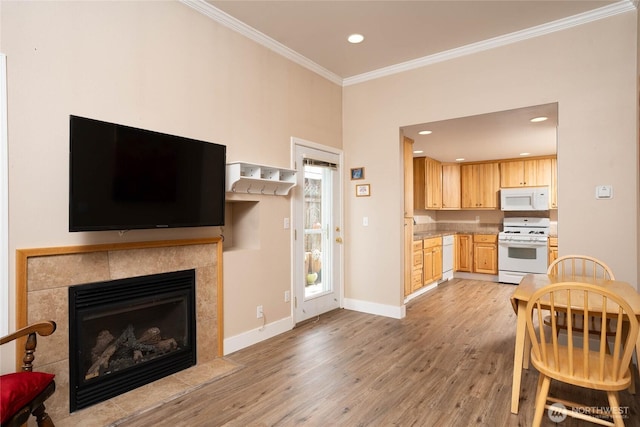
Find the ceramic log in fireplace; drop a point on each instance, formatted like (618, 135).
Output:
(129, 332)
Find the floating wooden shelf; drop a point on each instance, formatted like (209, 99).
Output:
(259, 179)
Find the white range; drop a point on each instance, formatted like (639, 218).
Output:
(522, 248)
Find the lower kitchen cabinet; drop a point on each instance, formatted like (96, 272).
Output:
(464, 252)
(485, 253)
(416, 272)
(432, 260)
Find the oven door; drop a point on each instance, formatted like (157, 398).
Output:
(523, 257)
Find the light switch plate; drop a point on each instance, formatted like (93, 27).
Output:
(604, 192)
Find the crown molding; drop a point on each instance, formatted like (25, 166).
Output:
(234, 24)
(529, 33)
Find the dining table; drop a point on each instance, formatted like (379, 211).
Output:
(523, 292)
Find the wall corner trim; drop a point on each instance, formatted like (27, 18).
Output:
(395, 312)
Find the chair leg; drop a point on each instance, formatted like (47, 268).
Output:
(614, 405)
(541, 399)
(42, 418)
(540, 378)
(632, 387)
(527, 352)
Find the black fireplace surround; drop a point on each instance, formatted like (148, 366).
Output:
(129, 332)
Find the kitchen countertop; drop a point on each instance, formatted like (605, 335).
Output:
(428, 234)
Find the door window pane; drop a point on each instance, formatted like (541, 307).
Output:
(316, 223)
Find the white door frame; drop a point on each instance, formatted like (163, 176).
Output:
(4, 201)
(295, 142)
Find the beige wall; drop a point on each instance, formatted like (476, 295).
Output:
(166, 67)
(638, 128)
(591, 71)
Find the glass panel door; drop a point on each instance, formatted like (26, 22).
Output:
(318, 252)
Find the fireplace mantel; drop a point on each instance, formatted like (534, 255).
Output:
(43, 276)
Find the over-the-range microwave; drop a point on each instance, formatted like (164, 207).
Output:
(524, 199)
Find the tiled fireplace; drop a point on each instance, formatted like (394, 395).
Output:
(126, 333)
(44, 277)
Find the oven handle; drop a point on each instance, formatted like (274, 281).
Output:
(514, 244)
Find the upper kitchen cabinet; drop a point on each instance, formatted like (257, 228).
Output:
(407, 150)
(525, 173)
(427, 183)
(480, 185)
(451, 186)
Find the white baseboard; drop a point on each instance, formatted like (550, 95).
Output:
(476, 276)
(396, 312)
(270, 330)
(420, 291)
(246, 339)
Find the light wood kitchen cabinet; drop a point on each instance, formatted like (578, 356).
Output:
(416, 271)
(464, 252)
(408, 255)
(427, 183)
(525, 173)
(512, 174)
(480, 184)
(450, 186)
(485, 253)
(553, 249)
(408, 176)
(553, 191)
(432, 260)
(408, 215)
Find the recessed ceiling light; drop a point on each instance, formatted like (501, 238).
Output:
(538, 119)
(460, 159)
(418, 152)
(425, 132)
(355, 38)
(525, 154)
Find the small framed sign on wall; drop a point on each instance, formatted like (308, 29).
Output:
(363, 190)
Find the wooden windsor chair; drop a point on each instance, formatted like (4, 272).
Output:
(579, 365)
(574, 267)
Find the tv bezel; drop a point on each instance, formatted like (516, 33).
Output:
(74, 226)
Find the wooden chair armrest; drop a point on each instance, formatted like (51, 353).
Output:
(42, 328)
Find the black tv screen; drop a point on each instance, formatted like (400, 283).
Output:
(124, 178)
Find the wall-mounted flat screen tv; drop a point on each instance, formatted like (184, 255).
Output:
(124, 178)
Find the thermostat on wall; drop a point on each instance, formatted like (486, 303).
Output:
(604, 192)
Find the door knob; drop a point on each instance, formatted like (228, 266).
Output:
(338, 239)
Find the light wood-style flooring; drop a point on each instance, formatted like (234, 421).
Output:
(448, 363)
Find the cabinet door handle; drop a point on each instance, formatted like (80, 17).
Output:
(338, 239)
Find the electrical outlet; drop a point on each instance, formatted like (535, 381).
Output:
(287, 296)
(259, 312)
